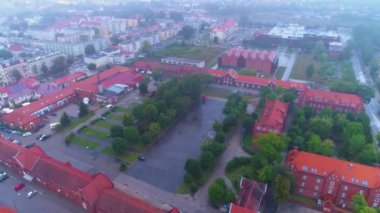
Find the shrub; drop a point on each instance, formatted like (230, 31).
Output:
(123, 167)
(219, 137)
(68, 138)
(237, 162)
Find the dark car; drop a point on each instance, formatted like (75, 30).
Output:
(3, 176)
(39, 137)
(53, 114)
(45, 137)
(141, 158)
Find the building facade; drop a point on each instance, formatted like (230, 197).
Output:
(333, 181)
(272, 118)
(221, 32)
(321, 99)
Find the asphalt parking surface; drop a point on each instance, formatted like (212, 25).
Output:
(44, 201)
(164, 165)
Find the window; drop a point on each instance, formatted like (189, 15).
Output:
(318, 180)
(361, 191)
(345, 188)
(316, 187)
(301, 190)
(343, 195)
(304, 168)
(304, 177)
(303, 184)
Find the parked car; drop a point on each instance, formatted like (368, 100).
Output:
(141, 158)
(53, 114)
(3, 176)
(31, 193)
(19, 186)
(39, 136)
(29, 145)
(27, 134)
(44, 137)
(16, 142)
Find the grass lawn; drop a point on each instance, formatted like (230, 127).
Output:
(95, 133)
(304, 200)
(115, 117)
(74, 123)
(280, 72)
(127, 157)
(299, 69)
(213, 92)
(84, 143)
(103, 124)
(208, 54)
(120, 109)
(183, 189)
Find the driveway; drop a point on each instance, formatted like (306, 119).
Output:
(164, 165)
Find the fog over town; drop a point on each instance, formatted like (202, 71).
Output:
(189, 106)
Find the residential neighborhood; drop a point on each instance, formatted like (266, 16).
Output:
(188, 106)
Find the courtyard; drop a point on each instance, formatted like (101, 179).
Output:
(165, 161)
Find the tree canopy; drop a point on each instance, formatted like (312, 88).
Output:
(187, 32)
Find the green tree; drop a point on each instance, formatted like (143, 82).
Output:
(309, 71)
(143, 87)
(187, 32)
(358, 203)
(157, 74)
(127, 119)
(207, 159)
(59, 65)
(321, 126)
(314, 144)
(247, 71)
(193, 167)
(131, 134)
(91, 66)
(219, 137)
(164, 120)
(65, 120)
(281, 188)
(154, 129)
(89, 50)
(115, 39)
(16, 75)
(119, 146)
(83, 109)
(327, 147)
(368, 155)
(116, 131)
(146, 48)
(319, 50)
(218, 193)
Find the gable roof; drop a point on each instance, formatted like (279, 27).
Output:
(251, 54)
(250, 196)
(353, 173)
(92, 190)
(237, 209)
(8, 150)
(273, 114)
(69, 78)
(341, 98)
(114, 201)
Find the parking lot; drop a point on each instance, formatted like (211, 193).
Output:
(164, 165)
(44, 201)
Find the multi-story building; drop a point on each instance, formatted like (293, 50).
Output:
(261, 61)
(10, 66)
(320, 99)
(183, 61)
(44, 58)
(272, 118)
(76, 49)
(100, 60)
(133, 46)
(332, 181)
(221, 32)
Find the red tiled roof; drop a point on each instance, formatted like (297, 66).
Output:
(15, 48)
(223, 27)
(128, 78)
(251, 194)
(273, 116)
(95, 187)
(69, 78)
(252, 54)
(29, 82)
(8, 150)
(237, 209)
(354, 173)
(341, 98)
(60, 174)
(114, 201)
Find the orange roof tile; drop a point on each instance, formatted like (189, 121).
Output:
(354, 173)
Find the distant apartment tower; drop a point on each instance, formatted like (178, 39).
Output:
(10, 66)
(46, 58)
(76, 49)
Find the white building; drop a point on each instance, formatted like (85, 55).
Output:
(8, 67)
(183, 61)
(100, 60)
(35, 64)
(221, 32)
(75, 49)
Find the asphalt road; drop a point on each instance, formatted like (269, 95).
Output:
(44, 201)
(164, 165)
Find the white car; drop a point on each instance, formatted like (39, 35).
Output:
(27, 134)
(31, 193)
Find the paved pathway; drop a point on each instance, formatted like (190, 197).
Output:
(289, 68)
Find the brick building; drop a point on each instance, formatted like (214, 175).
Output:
(95, 193)
(250, 198)
(333, 181)
(272, 118)
(320, 99)
(265, 62)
